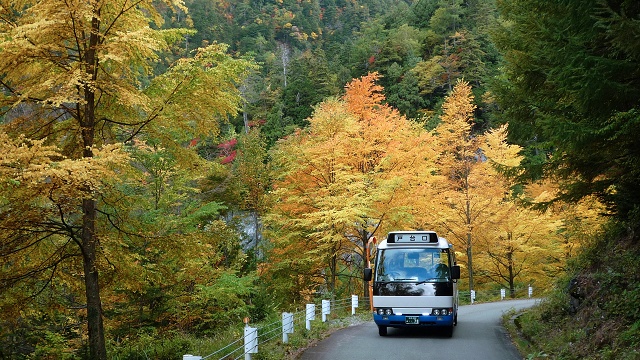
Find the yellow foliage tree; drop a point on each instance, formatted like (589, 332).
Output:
(581, 222)
(469, 193)
(41, 233)
(520, 248)
(477, 210)
(72, 73)
(504, 242)
(347, 177)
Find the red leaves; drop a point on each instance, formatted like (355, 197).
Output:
(227, 151)
(229, 158)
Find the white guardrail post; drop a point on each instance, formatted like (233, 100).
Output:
(287, 326)
(250, 342)
(251, 334)
(310, 315)
(503, 293)
(326, 309)
(354, 304)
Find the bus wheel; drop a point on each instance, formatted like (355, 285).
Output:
(448, 331)
(382, 330)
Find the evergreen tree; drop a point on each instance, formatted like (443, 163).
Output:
(571, 92)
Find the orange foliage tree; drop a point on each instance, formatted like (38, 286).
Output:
(360, 169)
(347, 177)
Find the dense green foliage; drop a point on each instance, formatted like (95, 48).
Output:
(310, 49)
(571, 93)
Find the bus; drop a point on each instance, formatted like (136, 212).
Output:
(415, 279)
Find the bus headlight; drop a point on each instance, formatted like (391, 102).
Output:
(442, 312)
(384, 311)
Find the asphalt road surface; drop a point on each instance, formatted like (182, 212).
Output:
(478, 335)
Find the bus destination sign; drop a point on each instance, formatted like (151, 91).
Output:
(412, 237)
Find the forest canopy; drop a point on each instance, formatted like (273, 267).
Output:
(170, 168)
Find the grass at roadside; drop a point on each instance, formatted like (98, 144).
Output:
(171, 346)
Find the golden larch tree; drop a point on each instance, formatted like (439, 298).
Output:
(72, 75)
(344, 179)
(520, 242)
(467, 195)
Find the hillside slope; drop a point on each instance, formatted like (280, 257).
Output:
(594, 313)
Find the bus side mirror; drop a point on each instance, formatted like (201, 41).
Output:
(368, 274)
(455, 272)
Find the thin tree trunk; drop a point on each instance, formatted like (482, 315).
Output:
(512, 286)
(469, 236)
(97, 348)
(470, 260)
(334, 274)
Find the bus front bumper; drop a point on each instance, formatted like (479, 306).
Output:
(398, 321)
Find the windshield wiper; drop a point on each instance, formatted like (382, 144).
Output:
(394, 280)
(429, 280)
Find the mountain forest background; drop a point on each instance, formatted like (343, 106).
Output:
(169, 168)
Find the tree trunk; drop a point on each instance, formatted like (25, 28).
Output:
(365, 262)
(97, 349)
(470, 261)
(469, 237)
(334, 274)
(512, 286)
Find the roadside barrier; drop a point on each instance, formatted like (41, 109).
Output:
(249, 343)
(470, 297)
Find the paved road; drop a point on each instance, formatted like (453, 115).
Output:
(478, 335)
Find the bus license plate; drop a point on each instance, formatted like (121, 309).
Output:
(412, 320)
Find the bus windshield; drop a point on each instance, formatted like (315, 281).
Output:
(413, 265)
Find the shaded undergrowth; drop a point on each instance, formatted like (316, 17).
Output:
(594, 313)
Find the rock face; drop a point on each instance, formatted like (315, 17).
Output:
(576, 294)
